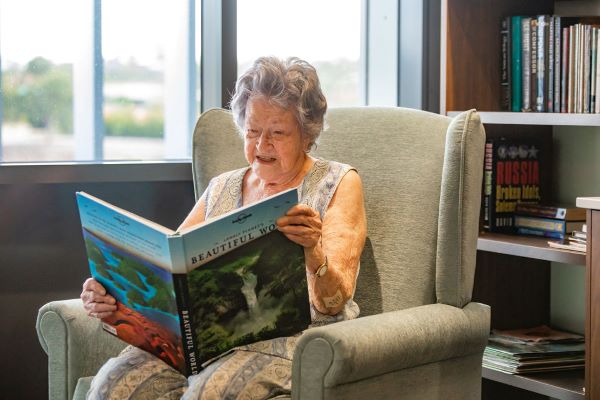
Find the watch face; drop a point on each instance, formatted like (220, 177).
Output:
(322, 271)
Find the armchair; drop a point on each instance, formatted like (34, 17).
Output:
(419, 335)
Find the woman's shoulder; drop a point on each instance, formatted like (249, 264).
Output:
(224, 192)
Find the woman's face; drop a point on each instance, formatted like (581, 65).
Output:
(273, 143)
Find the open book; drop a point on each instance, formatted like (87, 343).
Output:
(189, 296)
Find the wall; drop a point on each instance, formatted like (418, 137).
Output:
(42, 255)
(576, 174)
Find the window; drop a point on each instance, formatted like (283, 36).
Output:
(37, 74)
(133, 50)
(93, 80)
(326, 33)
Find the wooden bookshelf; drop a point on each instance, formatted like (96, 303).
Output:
(531, 118)
(513, 272)
(527, 246)
(562, 385)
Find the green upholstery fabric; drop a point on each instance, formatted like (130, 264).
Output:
(419, 337)
(83, 385)
(76, 345)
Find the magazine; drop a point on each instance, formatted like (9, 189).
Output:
(188, 296)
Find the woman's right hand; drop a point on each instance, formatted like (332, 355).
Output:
(96, 301)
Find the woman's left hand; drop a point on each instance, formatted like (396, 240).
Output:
(302, 225)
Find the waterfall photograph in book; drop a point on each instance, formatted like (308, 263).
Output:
(253, 293)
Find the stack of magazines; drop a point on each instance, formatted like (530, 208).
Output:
(538, 349)
(575, 242)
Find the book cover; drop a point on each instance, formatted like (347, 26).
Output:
(511, 176)
(534, 335)
(188, 296)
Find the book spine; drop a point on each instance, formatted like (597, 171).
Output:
(534, 62)
(505, 100)
(593, 70)
(516, 88)
(542, 60)
(597, 72)
(185, 323)
(572, 70)
(179, 269)
(526, 63)
(536, 210)
(488, 185)
(579, 70)
(586, 68)
(550, 43)
(564, 75)
(540, 232)
(550, 225)
(557, 63)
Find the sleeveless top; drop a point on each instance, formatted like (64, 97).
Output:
(224, 193)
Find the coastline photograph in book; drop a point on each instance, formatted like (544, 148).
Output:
(189, 296)
(146, 314)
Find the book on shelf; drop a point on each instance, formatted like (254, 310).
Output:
(526, 64)
(187, 296)
(566, 213)
(516, 86)
(511, 176)
(535, 349)
(577, 241)
(547, 227)
(542, 63)
(541, 334)
(568, 245)
(505, 64)
(552, 65)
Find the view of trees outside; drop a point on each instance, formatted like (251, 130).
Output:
(326, 33)
(37, 79)
(38, 58)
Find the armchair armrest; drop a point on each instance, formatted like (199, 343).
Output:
(367, 347)
(75, 343)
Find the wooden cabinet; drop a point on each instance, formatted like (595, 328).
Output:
(513, 273)
(592, 297)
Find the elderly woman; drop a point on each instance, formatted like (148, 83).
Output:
(279, 108)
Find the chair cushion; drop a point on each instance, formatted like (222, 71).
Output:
(83, 385)
(460, 199)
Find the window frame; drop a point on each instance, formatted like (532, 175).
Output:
(218, 73)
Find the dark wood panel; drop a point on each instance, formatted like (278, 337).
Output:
(516, 288)
(592, 326)
(491, 390)
(473, 49)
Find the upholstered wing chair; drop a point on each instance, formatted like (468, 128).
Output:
(419, 335)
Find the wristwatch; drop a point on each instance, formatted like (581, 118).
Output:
(322, 270)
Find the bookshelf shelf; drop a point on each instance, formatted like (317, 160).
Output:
(563, 385)
(531, 118)
(526, 246)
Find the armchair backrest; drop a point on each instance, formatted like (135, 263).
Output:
(421, 174)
